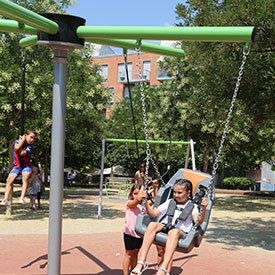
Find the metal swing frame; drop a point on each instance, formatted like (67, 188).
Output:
(190, 147)
(194, 237)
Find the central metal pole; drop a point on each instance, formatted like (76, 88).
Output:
(57, 161)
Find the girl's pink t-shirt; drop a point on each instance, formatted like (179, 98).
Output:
(130, 220)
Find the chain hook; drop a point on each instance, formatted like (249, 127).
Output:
(138, 45)
(246, 48)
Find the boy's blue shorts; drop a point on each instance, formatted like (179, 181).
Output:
(16, 170)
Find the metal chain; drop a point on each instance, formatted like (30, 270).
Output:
(157, 171)
(216, 163)
(148, 151)
(131, 105)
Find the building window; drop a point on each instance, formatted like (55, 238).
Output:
(112, 97)
(122, 72)
(163, 75)
(104, 73)
(146, 70)
(126, 94)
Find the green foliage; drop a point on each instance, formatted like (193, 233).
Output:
(86, 99)
(45, 6)
(237, 183)
(215, 67)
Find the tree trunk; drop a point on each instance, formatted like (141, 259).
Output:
(37, 154)
(157, 164)
(206, 159)
(9, 207)
(46, 169)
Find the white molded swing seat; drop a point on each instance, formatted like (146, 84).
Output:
(194, 237)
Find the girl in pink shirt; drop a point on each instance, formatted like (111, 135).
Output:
(132, 241)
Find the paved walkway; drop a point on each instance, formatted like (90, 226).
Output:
(240, 238)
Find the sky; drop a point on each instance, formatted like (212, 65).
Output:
(126, 12)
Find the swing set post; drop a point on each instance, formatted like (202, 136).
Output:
(192, 154)
(101, 179)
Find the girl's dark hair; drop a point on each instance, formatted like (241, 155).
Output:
(30, 131)
(187, 184)
(134, 187)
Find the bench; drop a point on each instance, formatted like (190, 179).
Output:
(121, 186)
(120, 179)
(122, 189)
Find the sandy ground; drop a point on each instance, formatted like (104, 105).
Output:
(238, 223)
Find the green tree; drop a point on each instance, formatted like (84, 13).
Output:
(86, 98)
(251, 135)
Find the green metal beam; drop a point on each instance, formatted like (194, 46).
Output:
(209, 34)
(14, 26)
(28, 41)
(25, 16)
(146, 47)
(144, 141)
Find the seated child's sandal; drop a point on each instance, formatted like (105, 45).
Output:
(163, 269)
(136, 271)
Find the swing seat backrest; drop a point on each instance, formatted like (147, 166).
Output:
(194, 237)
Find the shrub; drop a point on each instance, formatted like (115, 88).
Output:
(237, 183)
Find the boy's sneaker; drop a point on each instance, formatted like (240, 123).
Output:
(4, 202)
(21, 201)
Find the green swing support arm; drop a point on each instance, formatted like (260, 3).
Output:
(207, 34)
(25, 16)
(144, 141)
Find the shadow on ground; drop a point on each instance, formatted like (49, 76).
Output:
(251, 232)
(43, 262)
(254, 231)
(79, 210)
(244, 204)
(78, 204)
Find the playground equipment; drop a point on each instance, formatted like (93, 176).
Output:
(203, 184)
(190, 147)
(62, 33)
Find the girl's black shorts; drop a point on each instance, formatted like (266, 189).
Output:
(132, 243)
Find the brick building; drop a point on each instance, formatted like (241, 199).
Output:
(113, 72)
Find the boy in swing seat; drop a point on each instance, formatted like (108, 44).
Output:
(21, 163)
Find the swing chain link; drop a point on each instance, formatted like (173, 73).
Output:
(216, 163)
(148, 150)
(157, 172)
